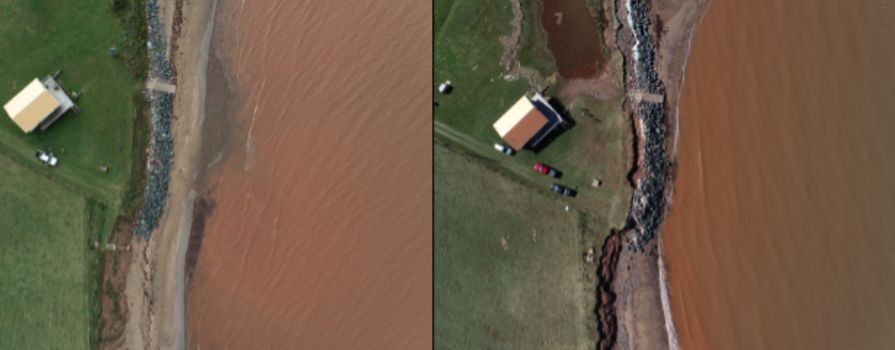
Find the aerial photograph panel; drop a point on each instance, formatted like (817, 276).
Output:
(215, 174)
(663, 174)
(565, 244)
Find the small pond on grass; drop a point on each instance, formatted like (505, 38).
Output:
(573, 37)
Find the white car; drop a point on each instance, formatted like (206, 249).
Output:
(504, 149)
(47, 158)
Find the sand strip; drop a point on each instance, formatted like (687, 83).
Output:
(156, 280)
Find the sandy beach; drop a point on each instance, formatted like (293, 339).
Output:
(155, 281)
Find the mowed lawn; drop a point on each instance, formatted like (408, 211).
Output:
(38, 37)
(43, 240)
(509, 269)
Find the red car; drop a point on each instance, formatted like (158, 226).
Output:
(546, 170)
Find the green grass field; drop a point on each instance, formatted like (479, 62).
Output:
(43, 291)
(538, 294)
(48, 277)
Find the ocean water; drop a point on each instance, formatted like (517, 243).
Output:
(317, 227)
(782, 230)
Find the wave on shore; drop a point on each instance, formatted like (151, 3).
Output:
(666, 303)
(673, 342)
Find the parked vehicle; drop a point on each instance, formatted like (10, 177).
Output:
(546, 170)
(46, 158)
(445, 87)
(504, 149)
(563, 190)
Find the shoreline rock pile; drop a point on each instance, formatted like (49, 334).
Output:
(648, 208)
(159, 67)
(645, 75)
(161, 144)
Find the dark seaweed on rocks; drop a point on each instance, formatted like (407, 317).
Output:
(161, 145)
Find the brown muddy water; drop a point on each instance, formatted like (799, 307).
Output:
(318, 229)
(782, 230)
(573, 37)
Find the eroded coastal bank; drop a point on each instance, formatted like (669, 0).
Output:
(654, 38)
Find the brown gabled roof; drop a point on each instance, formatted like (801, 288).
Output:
(525, 129)
(520, 123)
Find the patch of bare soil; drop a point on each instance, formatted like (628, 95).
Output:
(509, 60)
(639, 316)
(113, 301)
(603, 88)
(511, 42)
(606, 296)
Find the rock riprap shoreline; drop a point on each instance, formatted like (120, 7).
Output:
(648, 207)
(161, 145)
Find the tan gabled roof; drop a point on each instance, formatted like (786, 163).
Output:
(31, 106)
(520, 123)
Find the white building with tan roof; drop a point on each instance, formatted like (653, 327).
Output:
(528, 123)
(38, 105)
